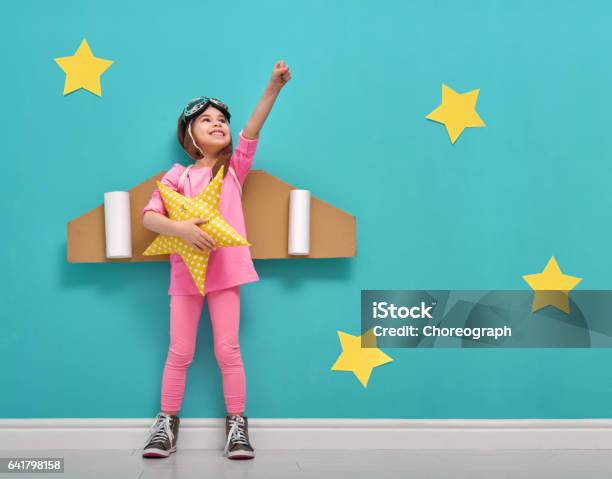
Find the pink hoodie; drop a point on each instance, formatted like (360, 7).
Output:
(227, 266)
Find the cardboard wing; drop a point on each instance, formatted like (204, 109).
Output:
(265, 201)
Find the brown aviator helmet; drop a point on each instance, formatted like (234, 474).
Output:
(185, 138)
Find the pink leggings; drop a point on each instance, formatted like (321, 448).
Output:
(185, 311)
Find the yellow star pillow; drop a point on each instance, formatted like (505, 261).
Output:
(205, 205)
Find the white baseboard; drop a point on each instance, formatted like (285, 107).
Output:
(33, 434)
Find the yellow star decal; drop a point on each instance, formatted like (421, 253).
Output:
(457, 111)
(357, 359)
(551, 287)
(83, 70)
(204, 205)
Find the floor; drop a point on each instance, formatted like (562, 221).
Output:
(371, 464)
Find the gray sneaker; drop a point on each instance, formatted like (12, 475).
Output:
(163, 435)
(237, 431)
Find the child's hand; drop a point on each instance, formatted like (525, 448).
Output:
(191, 233)
(280, 75)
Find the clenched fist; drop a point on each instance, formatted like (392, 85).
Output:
(280, 75)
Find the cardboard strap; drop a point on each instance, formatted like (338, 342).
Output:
(231, 172)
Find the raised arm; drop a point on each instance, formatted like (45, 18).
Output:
(279, 78)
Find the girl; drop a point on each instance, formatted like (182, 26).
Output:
(203, 132)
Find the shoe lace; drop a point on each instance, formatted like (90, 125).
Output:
(161, 430)
(236, 433)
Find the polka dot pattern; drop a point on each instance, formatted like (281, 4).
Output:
(205, 205)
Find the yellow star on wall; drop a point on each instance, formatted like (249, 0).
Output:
(357, 359)
(83, 70)
(551, 287)
(457, 112)
(205, 205)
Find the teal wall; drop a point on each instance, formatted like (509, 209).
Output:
(90, 340)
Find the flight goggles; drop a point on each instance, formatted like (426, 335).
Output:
(196, 105)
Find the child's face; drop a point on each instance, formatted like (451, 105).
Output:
(210, 130)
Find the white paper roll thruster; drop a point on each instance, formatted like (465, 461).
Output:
(117, 224)
(299, 222)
